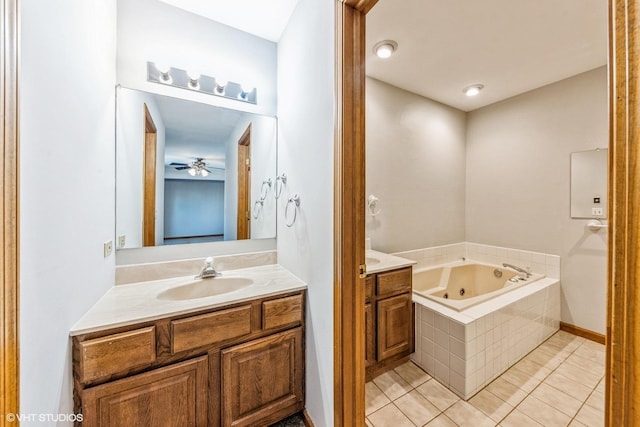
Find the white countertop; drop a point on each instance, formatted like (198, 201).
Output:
(124, 305)
(385, 262)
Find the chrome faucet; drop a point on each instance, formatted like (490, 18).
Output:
(208, 271)
(516, 268)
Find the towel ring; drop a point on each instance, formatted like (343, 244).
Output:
(283, 180)
(256, 211)
(264, 190)
(294, 200)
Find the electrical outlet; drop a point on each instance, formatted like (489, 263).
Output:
(597, 211)
(122, 240)
(108, 248)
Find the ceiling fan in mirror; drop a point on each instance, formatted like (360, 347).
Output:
(197, 167)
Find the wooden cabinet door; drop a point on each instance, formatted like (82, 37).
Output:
(262, 380)
(173, 396)
(370, 340)
(395, 326)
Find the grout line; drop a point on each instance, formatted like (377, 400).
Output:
(442, 412)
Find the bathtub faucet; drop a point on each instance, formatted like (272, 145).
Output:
(516, 268)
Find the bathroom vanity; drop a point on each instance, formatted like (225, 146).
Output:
(226, 360)
(389, 313)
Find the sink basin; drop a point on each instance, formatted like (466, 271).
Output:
(202, 288)
(371, 261)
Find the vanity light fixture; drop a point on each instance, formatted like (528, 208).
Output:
(175, 77)
(385, 48)
(473, 90)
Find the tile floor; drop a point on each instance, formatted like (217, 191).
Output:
(560, 383)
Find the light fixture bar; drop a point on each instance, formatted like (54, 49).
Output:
(204, 84)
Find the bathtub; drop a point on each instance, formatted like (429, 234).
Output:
(462, 284)
(466, 341)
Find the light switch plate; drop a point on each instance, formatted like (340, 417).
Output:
(108, 248)
(122, 240)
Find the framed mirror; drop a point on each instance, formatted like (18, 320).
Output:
(188, 172)
(589, 183)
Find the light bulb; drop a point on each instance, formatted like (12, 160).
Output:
(473, 90)
(385, 48)
(192, 172)
(384, 51)
(220, 85)
(194, 80)
(204, 172)
(164, 70)
(245, 90)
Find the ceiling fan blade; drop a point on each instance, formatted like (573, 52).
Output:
(181, 168)
(177, 164)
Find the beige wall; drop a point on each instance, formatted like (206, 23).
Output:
(416, 167)
(497, 176)
(517, 187)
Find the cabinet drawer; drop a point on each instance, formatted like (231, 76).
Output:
(211, 328)
(282, 311)
(394, 282)
(101, 357)
(369, 283)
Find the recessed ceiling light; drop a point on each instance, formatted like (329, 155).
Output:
(473, 90)
(385, 48)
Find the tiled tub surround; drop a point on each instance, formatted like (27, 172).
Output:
(546, 264)
(465, 350)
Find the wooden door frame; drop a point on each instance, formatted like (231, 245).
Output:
(9, 212)
(243, 215)
(150, 174)
(349, 213)
(622, 394)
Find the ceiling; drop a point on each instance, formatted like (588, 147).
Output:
(509, 46)
(266, 19)
(196, 130)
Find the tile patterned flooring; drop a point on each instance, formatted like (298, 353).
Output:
(560, 383)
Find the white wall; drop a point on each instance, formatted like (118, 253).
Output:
(518, 158)
(416, 167)
(67, 101)
(130, 136)
(149, 30)
(305, 125)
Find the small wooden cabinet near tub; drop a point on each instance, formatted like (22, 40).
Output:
(238, 365)
(389, 320)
